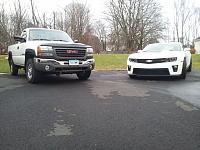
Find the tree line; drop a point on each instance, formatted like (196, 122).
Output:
(128, 25)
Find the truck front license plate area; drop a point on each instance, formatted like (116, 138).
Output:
(73, 62)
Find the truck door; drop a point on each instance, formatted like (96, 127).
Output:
(21, 49)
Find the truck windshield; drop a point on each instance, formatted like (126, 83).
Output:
(48, 35)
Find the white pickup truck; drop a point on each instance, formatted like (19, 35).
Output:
(40, 51)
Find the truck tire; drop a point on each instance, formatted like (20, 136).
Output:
(13, 68)
(32, 74)
(184, 70)
(84, 75)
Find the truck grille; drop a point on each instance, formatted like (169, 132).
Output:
(151, 72)
(70, 52)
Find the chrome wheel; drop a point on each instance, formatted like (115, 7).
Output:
(30, 71)
(11, 68)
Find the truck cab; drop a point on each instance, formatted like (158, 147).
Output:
(45, 51)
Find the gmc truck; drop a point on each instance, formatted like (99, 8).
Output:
(45, 51)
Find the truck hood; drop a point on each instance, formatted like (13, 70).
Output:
(156, 55)
(35, 44)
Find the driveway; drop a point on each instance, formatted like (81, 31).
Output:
(109, 111)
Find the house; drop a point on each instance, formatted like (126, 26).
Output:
(197, 45)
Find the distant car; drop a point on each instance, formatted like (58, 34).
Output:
(160, 59)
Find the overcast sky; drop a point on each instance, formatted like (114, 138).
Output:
(97, 7)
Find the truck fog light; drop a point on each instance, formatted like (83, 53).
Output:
(47, 67)
(175, 68)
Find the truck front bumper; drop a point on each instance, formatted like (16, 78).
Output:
(54, 66)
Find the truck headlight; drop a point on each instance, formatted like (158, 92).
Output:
(44, 51)
(90, 53)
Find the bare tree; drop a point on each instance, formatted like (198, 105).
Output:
(4, 30)
(137, 22)
(77, 18)
(182, 14)
(19, 17)
(100, 31)
(34, 17)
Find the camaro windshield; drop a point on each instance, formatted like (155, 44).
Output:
(158, 47)
(48, 35)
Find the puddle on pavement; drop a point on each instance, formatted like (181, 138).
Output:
(185, 107)
(105, 89)
(61, 130)
(59, 127)
(58, 110)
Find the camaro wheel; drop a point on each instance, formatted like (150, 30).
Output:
(190, 67)
(84, 75)
(131, 76)
(184, 71)
(32, 75)
(13, 68)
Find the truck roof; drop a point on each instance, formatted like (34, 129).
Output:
(41, 28)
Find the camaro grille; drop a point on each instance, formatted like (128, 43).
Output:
(70, 52)
(151, 61)
(151, 72)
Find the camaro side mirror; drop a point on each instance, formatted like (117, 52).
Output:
(19, 39)
(187, 49)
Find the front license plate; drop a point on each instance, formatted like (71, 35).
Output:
(73, 62)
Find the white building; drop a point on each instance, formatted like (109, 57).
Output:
(197, 45)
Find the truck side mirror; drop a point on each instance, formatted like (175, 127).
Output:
(75, 41)
(19, 39)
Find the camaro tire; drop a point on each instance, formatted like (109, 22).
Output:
(190, 67)
(131, 76)
(84, 75)
(13, 68)
(32, 74)
(184, 71)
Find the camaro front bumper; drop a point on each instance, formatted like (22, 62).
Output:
(54, 66)
(155, 69)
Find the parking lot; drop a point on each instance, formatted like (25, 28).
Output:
(109, 111)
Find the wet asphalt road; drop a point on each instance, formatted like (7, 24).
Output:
(107, 112)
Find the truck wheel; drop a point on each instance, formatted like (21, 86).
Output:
(32, 75)
(13, 68)
(84, 75)
(184, 71)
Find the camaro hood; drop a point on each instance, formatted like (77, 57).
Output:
(155, 55)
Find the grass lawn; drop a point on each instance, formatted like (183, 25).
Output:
(196, 61)
(4, 67)
(110, 61)
(103, 62)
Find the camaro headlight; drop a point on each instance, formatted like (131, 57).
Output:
(45, 51)
(172, 59)
(132, 60)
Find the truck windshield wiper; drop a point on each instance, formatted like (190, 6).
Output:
(61, 40)
(41, 39)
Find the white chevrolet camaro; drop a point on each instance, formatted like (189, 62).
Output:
(160, 59)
